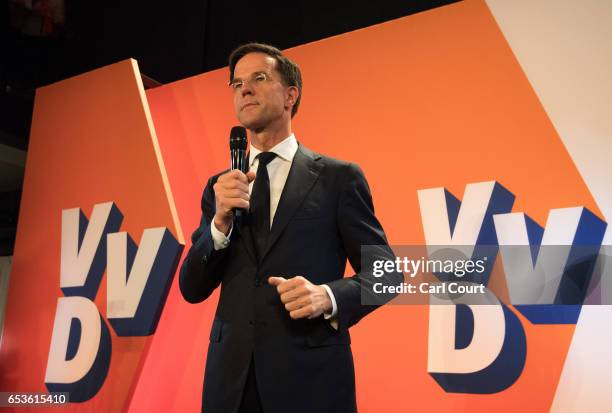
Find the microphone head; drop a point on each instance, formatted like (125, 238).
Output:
(238, 138)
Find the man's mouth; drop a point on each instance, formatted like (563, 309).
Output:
(248, 105)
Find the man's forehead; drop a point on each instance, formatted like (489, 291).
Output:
(254, 62)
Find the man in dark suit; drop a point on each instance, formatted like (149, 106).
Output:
(280, 341)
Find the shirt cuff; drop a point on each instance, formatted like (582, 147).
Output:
(334, 311)
(220, 240)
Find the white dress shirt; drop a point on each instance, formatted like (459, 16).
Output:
(278, 171)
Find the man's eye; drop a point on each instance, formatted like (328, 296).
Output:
(260, 77)
(236, 85)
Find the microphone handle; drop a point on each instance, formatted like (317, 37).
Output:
(238, 162)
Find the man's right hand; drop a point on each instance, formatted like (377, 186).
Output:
(231, 191)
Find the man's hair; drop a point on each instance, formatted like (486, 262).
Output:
(290, 72)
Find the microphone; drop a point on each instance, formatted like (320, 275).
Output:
(238, 146)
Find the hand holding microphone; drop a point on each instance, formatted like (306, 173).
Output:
(232, 188)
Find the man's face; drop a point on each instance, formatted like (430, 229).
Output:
(261, 99)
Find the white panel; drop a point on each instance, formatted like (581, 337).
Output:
(585, 382)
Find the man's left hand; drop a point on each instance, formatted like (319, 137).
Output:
(302, 298)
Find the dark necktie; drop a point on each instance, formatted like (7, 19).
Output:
(260, 204)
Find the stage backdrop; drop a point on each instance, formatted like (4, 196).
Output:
(442, 99)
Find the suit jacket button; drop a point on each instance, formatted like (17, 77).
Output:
(252, 322)
(204, 259)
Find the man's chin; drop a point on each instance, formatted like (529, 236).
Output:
(251, 124)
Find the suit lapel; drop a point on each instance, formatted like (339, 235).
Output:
(302, 176)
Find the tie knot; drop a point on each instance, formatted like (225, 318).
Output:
(265, 158)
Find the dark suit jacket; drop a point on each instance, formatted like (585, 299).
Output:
(324, 216)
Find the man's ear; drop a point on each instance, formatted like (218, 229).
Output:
(292, 95)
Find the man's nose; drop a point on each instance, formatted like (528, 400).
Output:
(246, 89)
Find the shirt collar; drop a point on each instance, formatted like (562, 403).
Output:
(285, 149)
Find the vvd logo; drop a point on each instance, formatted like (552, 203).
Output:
(482, 348)
(138, 281)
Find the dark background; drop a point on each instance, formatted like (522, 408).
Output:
(53, 40)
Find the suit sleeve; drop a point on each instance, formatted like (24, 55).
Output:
(202, 268)
(358, 226)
